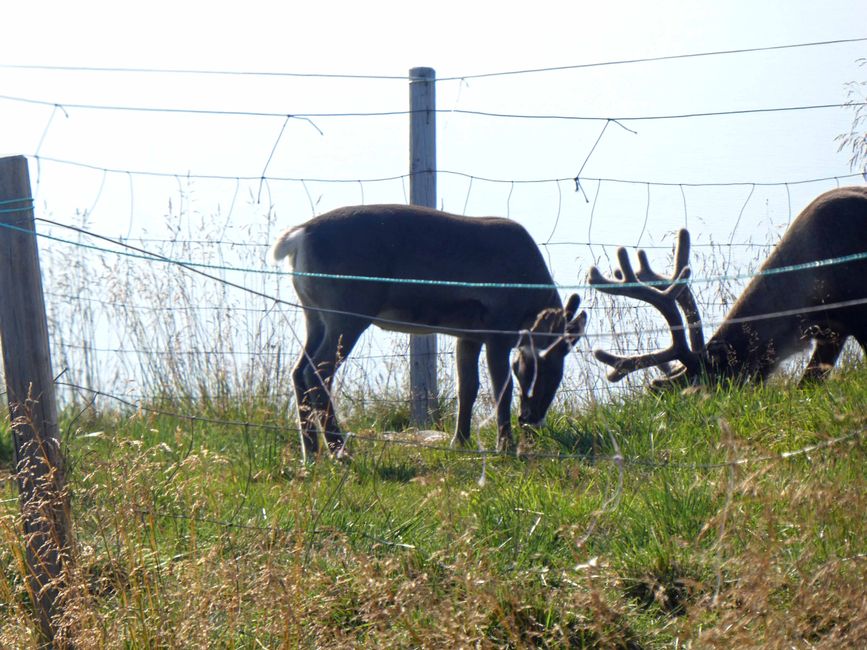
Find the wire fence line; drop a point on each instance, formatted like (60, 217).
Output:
(188, 175)
(307, 116)
(354, 359)
(240, 309)
(404, 78)
(220, 355)
(264, 246)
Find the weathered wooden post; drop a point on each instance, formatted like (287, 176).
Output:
(30, 392)
(422, 191)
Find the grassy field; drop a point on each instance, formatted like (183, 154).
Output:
(657, 521)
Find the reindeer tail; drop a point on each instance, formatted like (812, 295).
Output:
(286, 246)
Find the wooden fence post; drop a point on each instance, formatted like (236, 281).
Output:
(30, 391)
(422, 191)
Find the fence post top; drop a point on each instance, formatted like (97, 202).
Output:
(422, 74)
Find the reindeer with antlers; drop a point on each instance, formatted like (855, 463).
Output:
(811, 288)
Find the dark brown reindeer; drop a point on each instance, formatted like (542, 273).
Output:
(441, 264)
(824, 299)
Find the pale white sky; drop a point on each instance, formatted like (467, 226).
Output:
(388, 37)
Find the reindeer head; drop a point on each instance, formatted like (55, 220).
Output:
(542, 350)
(669, 295)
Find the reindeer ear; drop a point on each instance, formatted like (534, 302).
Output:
(574, 328)
(571, 306)
(562, 345)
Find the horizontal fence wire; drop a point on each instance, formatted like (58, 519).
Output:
(355, 358)
(264, 246)
(230, 309)
(405, 78)
(405, 113)
(442, 172)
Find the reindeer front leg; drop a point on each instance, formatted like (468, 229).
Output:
(467, 359)
(497, 355)
(824, 357)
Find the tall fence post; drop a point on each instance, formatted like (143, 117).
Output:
(39, 465)
(422, 191)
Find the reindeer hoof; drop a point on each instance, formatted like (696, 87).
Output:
(505, 444)
(459, 441)
(337, 447)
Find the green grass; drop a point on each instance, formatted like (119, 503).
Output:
(194, 534)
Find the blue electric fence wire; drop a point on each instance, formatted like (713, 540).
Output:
(24, 208)
(420, 281)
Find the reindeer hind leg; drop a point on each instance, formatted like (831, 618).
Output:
(467, 360)
(304, 382)
(335, 346)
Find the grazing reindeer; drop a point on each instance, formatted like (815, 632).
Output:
(778, 313)
(421, 249)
